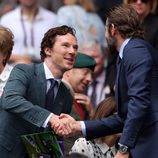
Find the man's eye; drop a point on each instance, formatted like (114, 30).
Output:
(75, 47)
(65, 45)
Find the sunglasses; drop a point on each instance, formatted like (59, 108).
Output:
(143, 1)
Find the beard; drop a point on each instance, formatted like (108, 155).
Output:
(111, 45)
(112, 49)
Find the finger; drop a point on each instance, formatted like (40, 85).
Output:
(62, 115)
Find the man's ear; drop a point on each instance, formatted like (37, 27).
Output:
(47, 51)
(113, 30)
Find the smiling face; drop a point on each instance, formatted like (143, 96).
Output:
(79, 78)
(62, 55)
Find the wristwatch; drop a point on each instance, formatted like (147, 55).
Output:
(123, 149)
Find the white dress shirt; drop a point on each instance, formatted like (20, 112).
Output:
(49, 75)
(4, 77)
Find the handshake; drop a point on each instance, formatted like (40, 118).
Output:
(64, 125)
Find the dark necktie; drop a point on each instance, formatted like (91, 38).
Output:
(93, 95)
(51, 94)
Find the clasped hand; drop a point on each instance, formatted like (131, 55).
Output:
(65, 125)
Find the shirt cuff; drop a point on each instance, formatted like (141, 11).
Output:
(83, 127)
(46, 123)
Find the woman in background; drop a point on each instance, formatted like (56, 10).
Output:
(6, 46)
(82, 16)
(146, 10)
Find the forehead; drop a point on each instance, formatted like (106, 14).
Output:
(66, 38)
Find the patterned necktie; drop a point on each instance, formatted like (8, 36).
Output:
(94, 94)
(51, 94)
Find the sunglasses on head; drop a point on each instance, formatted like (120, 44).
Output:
(143, 1)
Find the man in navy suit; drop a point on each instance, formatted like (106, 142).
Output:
(136, 90)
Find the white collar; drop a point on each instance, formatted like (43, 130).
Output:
(38, 16)
(123, 46)
(104, 147)
(5, 73)
(101, 77)
(49, 74)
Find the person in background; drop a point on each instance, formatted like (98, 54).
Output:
(28, 22)
(104, 147)
(6, 46)
(52, 5)
(146, 10)
(88, 25)
(103, 6)
(77, 80)
(136, 90)
(99, 89)
(96, 25)
(7, 5)
(34, 95)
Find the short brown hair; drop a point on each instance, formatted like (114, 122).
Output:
(6, 43)
(105, 108)
(50, 37)
(126, 20)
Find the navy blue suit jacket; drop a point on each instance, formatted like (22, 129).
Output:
(137, 101)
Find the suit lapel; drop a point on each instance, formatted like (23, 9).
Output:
(119, 63)
(40, 83)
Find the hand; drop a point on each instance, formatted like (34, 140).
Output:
(120, 155)
(84, 100)
(69, 126)
(55, 122)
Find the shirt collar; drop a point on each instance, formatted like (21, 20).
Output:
(104, 147)
(49, 74)
(38, 16)
(123, 46)
(101, 77)
(5, 73)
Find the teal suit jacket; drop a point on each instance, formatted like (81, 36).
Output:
(22, 108)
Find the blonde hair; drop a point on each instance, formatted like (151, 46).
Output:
(70, 2)
(88, 5)
(152, 2)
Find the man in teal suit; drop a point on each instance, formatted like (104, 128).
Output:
(23, 103)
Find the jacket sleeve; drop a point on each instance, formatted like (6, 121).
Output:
(106, 126)
(14, 97)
